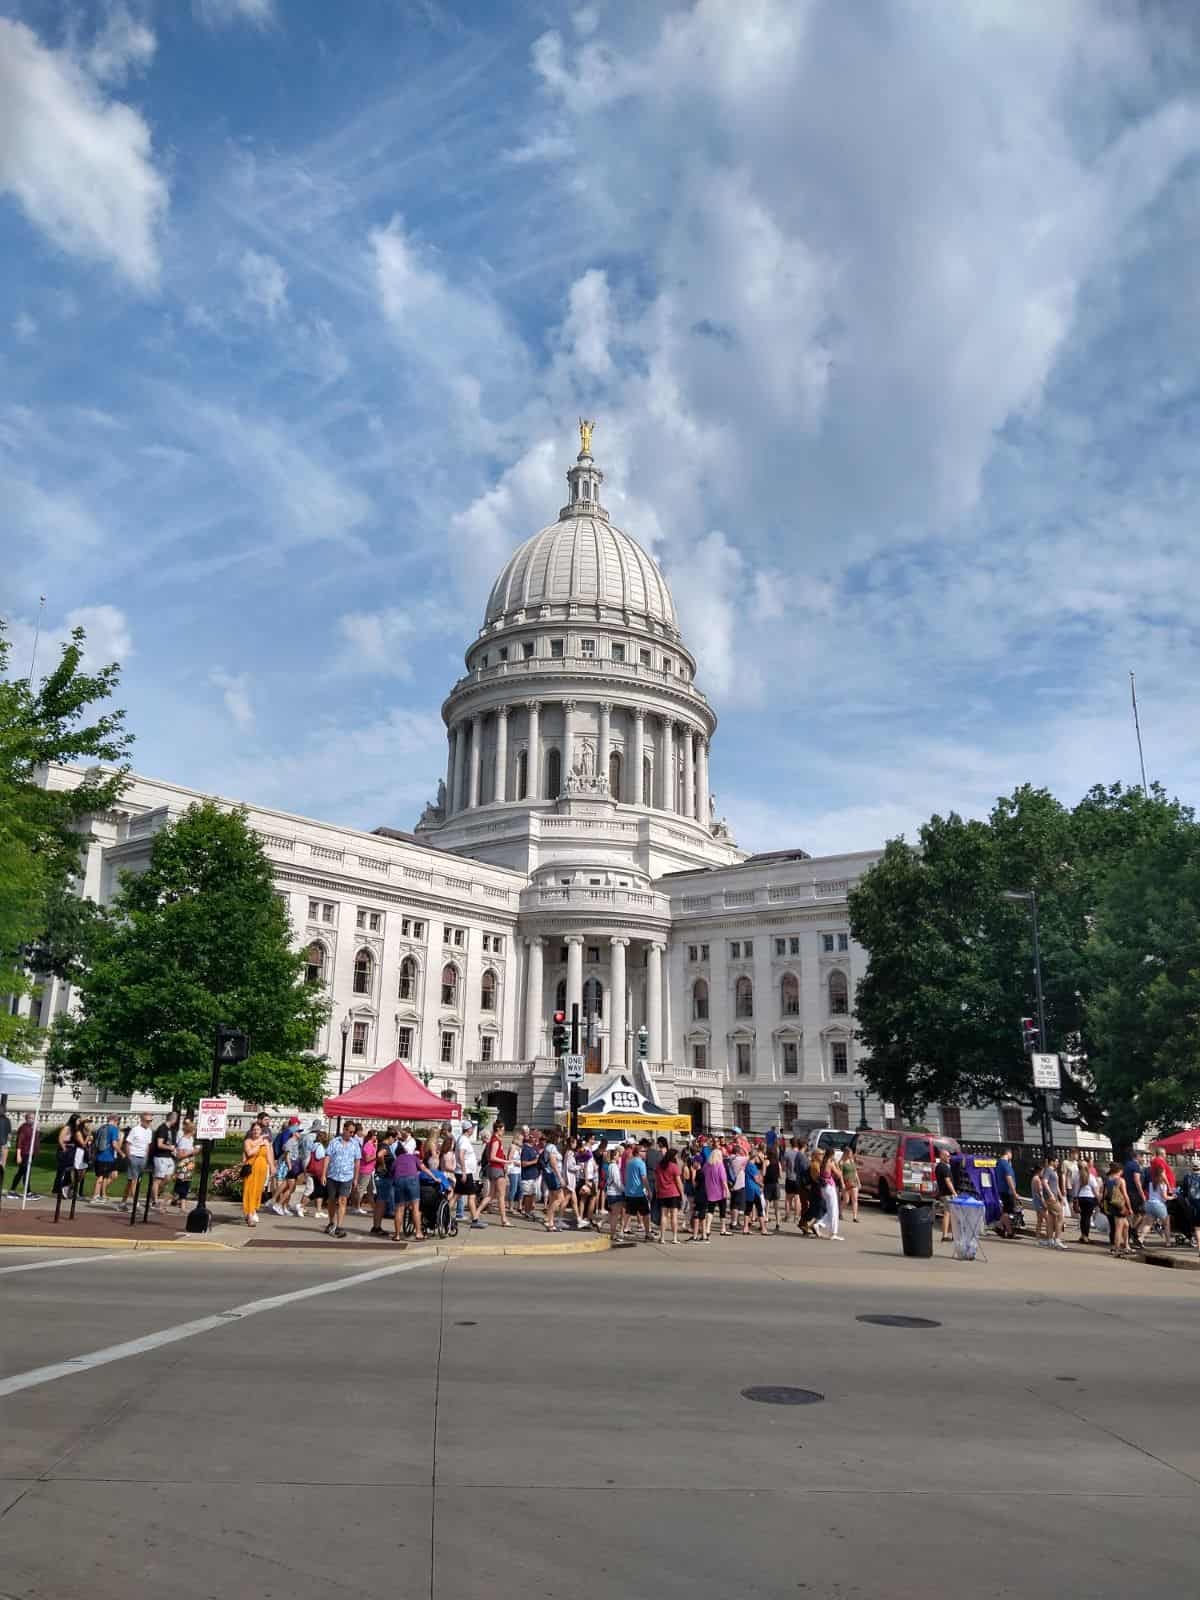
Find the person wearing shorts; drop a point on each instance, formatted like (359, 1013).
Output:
(406, 1187)
(135, 1147)
(341, 1172)
(614, 1194)
(108, 1143)
(530, 1173)
(637, 1199)
(700, 1218)
(552, 1180)
(185, 1161)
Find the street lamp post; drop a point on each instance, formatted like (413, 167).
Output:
(862, 1109)
(1029, 897)
(342, 1070)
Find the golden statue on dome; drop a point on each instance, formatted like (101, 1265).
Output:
(585, 436)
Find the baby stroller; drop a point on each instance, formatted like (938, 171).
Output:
(437, 1211)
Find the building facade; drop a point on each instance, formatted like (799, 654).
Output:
(572, 857)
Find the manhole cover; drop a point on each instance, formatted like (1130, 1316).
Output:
(888, 1320)
(1066, 1379)
(466, 1324)
(779, 1395)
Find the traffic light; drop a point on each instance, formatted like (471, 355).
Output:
(643, 1040)
(559, 1035)
(1030, 1037)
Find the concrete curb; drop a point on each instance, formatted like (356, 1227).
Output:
(55, 1241)
(1185, 1263)
(559, 1247)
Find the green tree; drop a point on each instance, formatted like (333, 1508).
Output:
(197, 939)
(950, 968)
(1143, 1015)
(40, 826)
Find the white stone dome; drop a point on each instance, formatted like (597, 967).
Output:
(583, 560)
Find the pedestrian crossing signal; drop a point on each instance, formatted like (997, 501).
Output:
(232, 1046)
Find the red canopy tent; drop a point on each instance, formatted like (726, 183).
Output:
(1178, 1144)
(394, 1094)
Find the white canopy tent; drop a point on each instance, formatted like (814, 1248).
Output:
(27, 1083)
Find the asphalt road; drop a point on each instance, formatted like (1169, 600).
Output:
(523, 1428)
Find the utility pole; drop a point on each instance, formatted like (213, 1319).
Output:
(1044, 1104)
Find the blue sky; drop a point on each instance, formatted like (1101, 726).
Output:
(888, 315)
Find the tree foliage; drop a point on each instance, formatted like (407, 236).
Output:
(41, 827)
(950, 970)
(197, 939)
(1143, 1014)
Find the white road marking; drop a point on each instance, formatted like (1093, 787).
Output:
(189, 1330)
(61, 1261)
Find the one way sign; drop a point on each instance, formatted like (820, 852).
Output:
(232, 1045)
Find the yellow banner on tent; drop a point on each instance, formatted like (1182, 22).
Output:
(616, 1120)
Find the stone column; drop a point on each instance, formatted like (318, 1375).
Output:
(605, 742)
(451, 742)
(533, 774)
(575, 980)
(533, 998)
(476, 751)
(689, 774)
(666, 778)
(458, 792)
(638, 759)
(702, 804)
(500, 786)
(568, 744)
(654, 1007)
(616, 1007)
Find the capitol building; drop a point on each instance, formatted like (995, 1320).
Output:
(572, 856)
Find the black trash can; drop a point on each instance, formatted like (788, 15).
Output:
(916, 1230)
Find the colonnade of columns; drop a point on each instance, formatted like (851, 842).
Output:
(678, 766)
(536, 1005)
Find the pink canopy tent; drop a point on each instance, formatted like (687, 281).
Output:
(394, 1094)
(1178, 1144)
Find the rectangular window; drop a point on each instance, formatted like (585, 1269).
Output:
(497, 944)
(328, 912)
(668, 664)
(358, 1040)
(827, 943)
(314, 910)
(562, 955)
(527, 649)
(704, 952)
(593, 952)
(787, 1116)
(556, 649)
(839, 1114)
(587, 647)
(618, 652)
(487, 941)
(483, 661)
(405, 927)
(504, 652)
(843, 941)
(747, 948)
(791, 1058)
(741, 1113)
(793, 946)
(487, 1048)
(360, 920)
(952, 1122)
(839, 1058)
(320, 911)
(735, 949)
(448, 1047)
(446, 932)
(743, 1058)
(460, 937)
(693, 952)
(700, 1057)
(644, 657)
(404, 1044)
(418, 930)
(1012, 1124)
(372, 921)
(781, 947)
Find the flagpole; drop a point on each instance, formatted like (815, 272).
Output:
(1137, 728)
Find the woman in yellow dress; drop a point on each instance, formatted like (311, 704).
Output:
(256, 1154)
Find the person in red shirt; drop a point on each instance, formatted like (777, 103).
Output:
(1160, 1172)
(668, 1191)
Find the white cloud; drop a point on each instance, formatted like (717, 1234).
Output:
(55, 519)
(80, 166)
(264, 284)
(235, 692)
(377, 641)
(589, 324)
(108, 639)
(24, 327)
(108, 635)
(224, 13)
(122, 46)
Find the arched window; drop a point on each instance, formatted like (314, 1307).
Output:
(560, 995)
(487, 991)
(839, 995)
(647, 779)
(523, 775)
(789, 995)
(700, 1000)
(743, 998)
(593, 998)
(408, 979)
(364, 966)
(449, 984)
(314, 964)
(614, 774)
(553, 774)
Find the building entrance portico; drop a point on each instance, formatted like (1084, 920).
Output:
(616, 980)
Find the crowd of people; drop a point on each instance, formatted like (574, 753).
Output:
(643, 1187)
(1137, 1201)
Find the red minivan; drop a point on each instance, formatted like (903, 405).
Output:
(898, 1165)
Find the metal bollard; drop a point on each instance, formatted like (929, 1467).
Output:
(133, 1207)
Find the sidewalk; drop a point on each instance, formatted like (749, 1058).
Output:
(109, 1228)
